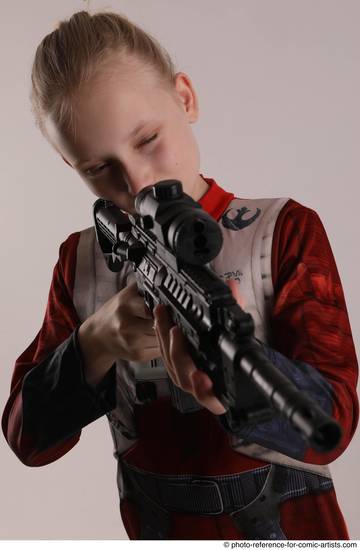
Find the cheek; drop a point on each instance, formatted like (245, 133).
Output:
(181, 155)
(188, 149)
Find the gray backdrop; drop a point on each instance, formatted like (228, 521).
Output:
(279, 90)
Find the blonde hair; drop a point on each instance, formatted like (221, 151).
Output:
(77, 50)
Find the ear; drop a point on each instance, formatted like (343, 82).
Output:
(186, 95)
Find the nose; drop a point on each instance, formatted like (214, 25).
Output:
(137, 176)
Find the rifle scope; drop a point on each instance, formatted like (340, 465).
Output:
(179, 222)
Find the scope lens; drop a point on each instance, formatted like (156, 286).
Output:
(200, 241)
(198, 226)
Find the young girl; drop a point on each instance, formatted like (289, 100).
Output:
(107, 98)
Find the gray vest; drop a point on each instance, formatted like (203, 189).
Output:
(248, 227)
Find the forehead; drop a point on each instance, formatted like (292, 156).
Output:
(108, 109)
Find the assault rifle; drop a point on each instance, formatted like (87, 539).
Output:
(169, 241)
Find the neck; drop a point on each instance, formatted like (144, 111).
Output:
(200, 188)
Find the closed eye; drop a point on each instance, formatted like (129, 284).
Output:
(94, 171)
(149, 140)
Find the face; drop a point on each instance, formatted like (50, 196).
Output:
(130, 133)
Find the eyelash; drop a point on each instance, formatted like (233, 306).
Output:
(94, 171)
(146, 141)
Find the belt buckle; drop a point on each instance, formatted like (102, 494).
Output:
(207, 483)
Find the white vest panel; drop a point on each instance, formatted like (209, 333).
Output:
(248, 227)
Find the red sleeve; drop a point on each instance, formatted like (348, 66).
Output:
(309, 318)
(59, 322)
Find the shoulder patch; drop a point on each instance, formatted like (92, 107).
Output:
(238, 222)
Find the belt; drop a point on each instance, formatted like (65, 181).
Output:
(251, 498)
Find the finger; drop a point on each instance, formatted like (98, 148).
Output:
(140, 309)
(192, 379)
(136, 302)
(162, 333)
(170, 370)
(142, 326)
(204, 394)
(149, 328)
(184, 366)
(163, 325)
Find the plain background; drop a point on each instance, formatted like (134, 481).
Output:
(279, 89)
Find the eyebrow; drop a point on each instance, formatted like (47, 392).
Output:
(132, 134)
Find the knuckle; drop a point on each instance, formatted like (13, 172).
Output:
(120, 329)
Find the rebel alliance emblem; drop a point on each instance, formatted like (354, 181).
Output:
(238, 222)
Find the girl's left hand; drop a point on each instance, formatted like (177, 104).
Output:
(179, 364)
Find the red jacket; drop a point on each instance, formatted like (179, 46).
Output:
(309, 307)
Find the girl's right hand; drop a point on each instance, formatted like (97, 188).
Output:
(122, 328)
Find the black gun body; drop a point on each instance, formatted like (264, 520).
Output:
(192, 294)
(219, 333)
